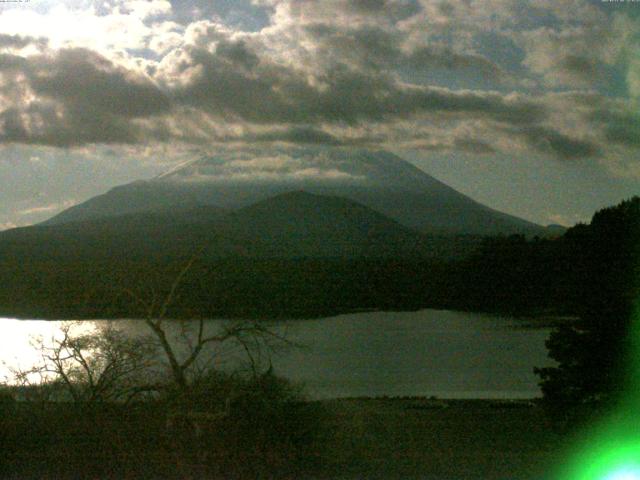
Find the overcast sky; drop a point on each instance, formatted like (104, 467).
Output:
(529, 107)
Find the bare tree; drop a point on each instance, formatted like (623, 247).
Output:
(194, 428)
(256, 339)
(90, 366)
(112, 364)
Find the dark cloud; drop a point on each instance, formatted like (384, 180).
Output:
(235, 82)
(81, 98)
(369, 5)
(473, 145)
(447, 58)
(9, 62)
(238, 54)
(297, 135)
(245, 14)
(348, 11)
(379, 48)
(19, 41)
(85, 81)
(365, 46)
(557, 144)
(44, 124)
(581, 66)
(331, 72)
(12, 125)
(620, 126)
(490, 105)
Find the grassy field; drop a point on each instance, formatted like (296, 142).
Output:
(359, 439)
(435, 439)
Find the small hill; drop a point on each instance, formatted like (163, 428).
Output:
(300, 224)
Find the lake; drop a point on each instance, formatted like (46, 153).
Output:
(428, 352)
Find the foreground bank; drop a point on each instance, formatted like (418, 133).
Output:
(357, 438)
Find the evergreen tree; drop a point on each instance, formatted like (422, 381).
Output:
(592, 354)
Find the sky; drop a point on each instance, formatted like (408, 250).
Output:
(531, 107)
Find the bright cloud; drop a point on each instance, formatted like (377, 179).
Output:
(481, 76)
(51, 208)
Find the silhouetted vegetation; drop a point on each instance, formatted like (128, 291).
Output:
(107, 405)
(356, 438)
(591, 273)
(226, 288)
(269, 432)
(519, 276)
(89, 367)
(592, 354)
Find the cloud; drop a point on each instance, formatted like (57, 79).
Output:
(53, 207)
(116, 29)
(473, 145)
(261, 166)
(557, 144)
(628, 35)
(75, 97)
(299, 135)
(375, 73)
(20, 41)
(620, 123)
(234, 81)
(83, 80)
(146, 8)
(570, 55)
(346, 12)
(376, 48)
(11, 62)
(7, 225)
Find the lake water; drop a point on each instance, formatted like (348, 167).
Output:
(428, 352)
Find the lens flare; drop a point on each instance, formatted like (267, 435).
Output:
(624, 473)
(610, 450)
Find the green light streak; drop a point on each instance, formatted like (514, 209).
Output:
(610, 455)
(627, 473)
(610, 450)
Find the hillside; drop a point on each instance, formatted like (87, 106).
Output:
(289, 225)
(294, 254)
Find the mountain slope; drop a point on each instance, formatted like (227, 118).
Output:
(379, 180)
(289, 225)
(300, 224)
(295, 254)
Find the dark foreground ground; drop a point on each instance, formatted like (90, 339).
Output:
(359, 439)
(444, 440)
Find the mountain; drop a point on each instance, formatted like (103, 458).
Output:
(289, 225)
(379, 180)
(300, 224)
(155, 233)
(317, 232)
(293, 254)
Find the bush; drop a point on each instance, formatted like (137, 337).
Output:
(233, 427)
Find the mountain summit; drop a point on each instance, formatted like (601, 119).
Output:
(379, 180)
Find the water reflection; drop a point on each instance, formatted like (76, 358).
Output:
(429, 352)
(18, 339)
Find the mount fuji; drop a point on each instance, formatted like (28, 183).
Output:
(379, 180)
